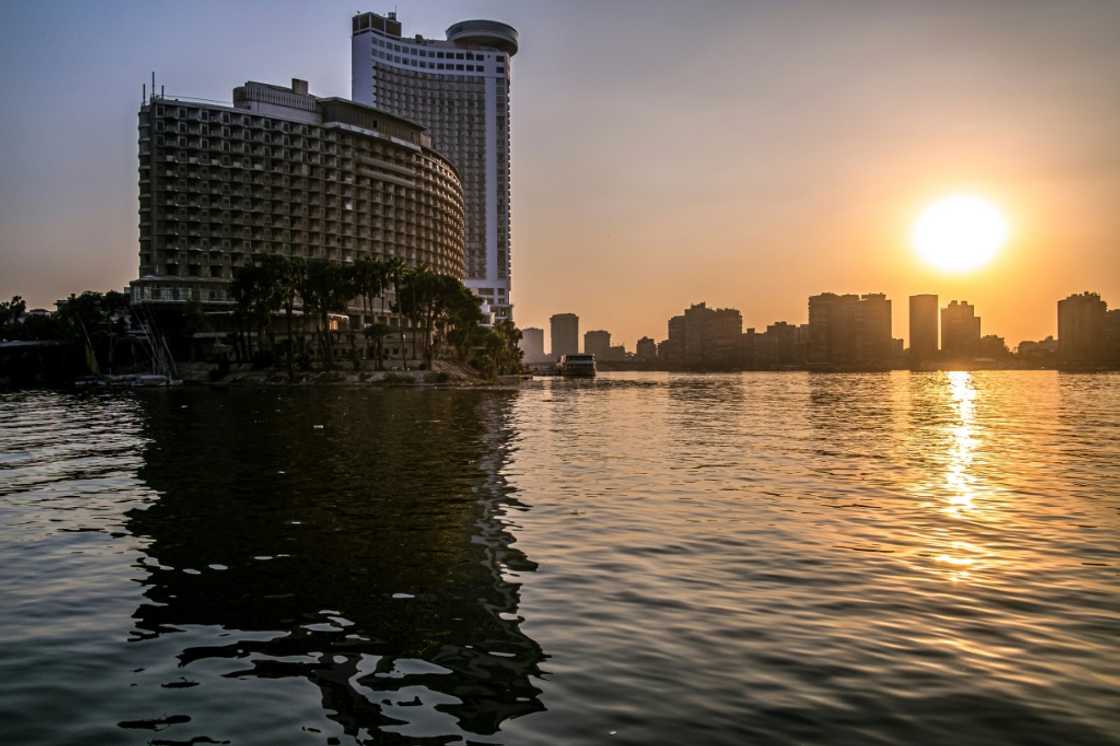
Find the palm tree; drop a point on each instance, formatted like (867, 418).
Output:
(395, 272)
(377, 332)
(328, 290)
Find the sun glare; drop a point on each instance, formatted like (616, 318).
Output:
(960, 232)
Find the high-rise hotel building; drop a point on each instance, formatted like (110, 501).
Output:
(284, 172)
(458, 89)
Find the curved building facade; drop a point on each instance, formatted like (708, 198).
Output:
(284, 172)
(459, 89)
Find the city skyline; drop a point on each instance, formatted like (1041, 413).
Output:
(770, 205)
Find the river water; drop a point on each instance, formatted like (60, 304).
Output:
(638, 559)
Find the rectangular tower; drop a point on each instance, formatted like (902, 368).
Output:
(532, 344)
(565, 334)
(459, 89)
(923, 328)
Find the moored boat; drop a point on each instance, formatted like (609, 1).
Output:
(577, 366)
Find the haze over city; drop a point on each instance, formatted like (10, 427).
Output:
(746, 155)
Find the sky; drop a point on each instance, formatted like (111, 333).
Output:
(745, 154)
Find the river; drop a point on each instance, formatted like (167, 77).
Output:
(643, 558)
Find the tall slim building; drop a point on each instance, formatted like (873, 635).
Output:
(597, 342)
(285, 172)
(532, 344)
(459, 89)
(960, 329)
(565, 334)
(923, 327)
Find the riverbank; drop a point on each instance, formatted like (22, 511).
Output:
(444, 374)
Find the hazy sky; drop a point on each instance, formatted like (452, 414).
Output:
(746, 154)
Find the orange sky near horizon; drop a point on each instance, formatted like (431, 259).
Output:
(742, 154)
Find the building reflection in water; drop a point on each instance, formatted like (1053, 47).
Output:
(355, 539)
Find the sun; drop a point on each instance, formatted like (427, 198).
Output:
(960, 232)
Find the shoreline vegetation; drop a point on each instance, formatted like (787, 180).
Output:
(292, 321)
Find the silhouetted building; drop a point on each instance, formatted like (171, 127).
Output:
(285, 172)
(849, 330)
(615, 353)
(668, 352)
(873, 329)
(923, 328)
(597, 342)
(1081, 329)
(960, 330)
(777, 347)
(1043, 352)
(532, 344)
(459, 88)
(1112, 336)
(672, 350)
(711, 336)
(565, 334)
(646, 349)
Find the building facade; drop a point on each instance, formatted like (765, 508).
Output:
(287, 173)
(849, 331)
(923, 328)
(1081, 329)
(459, 89)
(960, 330)
(565, 334)
(597, 342)
(532, 344)
(646, 349)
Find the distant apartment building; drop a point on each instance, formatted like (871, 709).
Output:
(565, 334)
(671, 351)
(923, 328)
(1081, 329)
(646, 349)
(711, 336)
(287, 173)
(615, 353)
(532, 344)
(874, 343)
(849, 330)
(597, 342)
(459, 88)
(777, 347)
(960, 330)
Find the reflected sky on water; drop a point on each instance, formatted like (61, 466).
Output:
(642, 558)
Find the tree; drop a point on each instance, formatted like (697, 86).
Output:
(12, 312)
(395, 273)
(328, 290)
(292, 282)
(369, 279)
(377, 331)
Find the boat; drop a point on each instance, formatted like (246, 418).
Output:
(577, 366)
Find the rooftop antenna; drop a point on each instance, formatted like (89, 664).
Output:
(143, 93)
(153, 83)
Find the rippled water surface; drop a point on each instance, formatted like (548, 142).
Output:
(638, 559)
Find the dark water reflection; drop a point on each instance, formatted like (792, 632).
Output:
(639, 559)
(349, 541)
